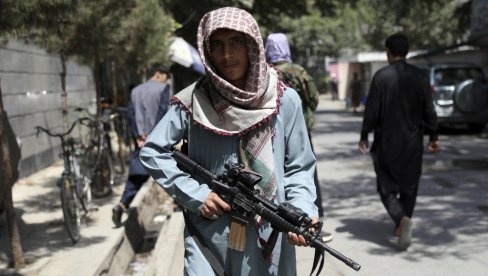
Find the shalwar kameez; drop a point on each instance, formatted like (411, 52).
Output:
(261, 126)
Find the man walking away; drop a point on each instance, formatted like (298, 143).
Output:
(148, 103)
(399, 109)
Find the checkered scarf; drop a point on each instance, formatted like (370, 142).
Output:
(225, 109)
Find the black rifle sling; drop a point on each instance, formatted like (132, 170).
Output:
(319, 254)
(202, 245)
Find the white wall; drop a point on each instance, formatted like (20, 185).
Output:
(31, 89)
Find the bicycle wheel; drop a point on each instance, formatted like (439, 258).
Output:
(70, 206)
(103, 176)
(84, 185)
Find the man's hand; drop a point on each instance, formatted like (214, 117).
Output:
(214, 207)
(140, 141)
(433, 147)
(299, 239)
(363, 146)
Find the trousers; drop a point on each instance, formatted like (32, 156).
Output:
(132, 186)
(397, 202)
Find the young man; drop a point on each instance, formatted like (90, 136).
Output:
(295, 76)
(238, 112)
(148, 103)
(399, 109)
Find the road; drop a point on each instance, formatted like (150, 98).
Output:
(450, 222)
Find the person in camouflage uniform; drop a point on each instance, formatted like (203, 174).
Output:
(298, 78)
(278, 53)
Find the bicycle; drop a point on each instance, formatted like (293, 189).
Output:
(74, 182)
(99, 152)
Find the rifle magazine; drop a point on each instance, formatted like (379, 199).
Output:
(237, 235)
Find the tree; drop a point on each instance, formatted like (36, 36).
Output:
(188, 18)
(130, 33)
(7, 181)
(17, 18)
(427, 23)
(133, 33)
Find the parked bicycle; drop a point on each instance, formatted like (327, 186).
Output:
(75, 181)
(99, 151)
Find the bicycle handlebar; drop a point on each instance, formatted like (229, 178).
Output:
(39, 128)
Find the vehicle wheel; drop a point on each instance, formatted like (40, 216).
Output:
(71, 210)
(103, 176)
(471, 97)
(476, 127)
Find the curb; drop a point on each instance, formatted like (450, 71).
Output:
(167, 256)
(118, 257)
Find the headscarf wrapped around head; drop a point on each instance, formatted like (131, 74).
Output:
(277, 48)
(217, 104)
(241, 21)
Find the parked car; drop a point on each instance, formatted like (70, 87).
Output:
(460, 94)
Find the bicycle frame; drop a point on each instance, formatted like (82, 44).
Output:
(71, 193)
(101, 156)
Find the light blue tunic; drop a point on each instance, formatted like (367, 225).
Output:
(294, 165)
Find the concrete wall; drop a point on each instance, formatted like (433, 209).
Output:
(31, 89)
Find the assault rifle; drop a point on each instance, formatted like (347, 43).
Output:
(236, 187)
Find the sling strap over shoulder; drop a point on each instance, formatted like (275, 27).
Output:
(202, 245)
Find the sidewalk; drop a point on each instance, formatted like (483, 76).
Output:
(46, 245)
(102, 249)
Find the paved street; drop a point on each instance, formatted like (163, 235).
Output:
(450, 222)
(451, 217)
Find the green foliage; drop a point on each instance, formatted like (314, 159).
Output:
(427, 23)
(189, 12)
(18, 17)
(131, 32)
(144, 35)
(328, 27)
(136, 32)
(270, 13)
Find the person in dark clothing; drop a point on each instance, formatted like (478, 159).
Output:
(334, 91)
(399, 110)
(355, 92)
(148, 104)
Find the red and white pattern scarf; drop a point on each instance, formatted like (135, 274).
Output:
(225, 109)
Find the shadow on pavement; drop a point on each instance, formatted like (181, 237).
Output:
(451, 211)
(41, 226)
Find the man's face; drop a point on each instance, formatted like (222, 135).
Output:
(229, 55)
